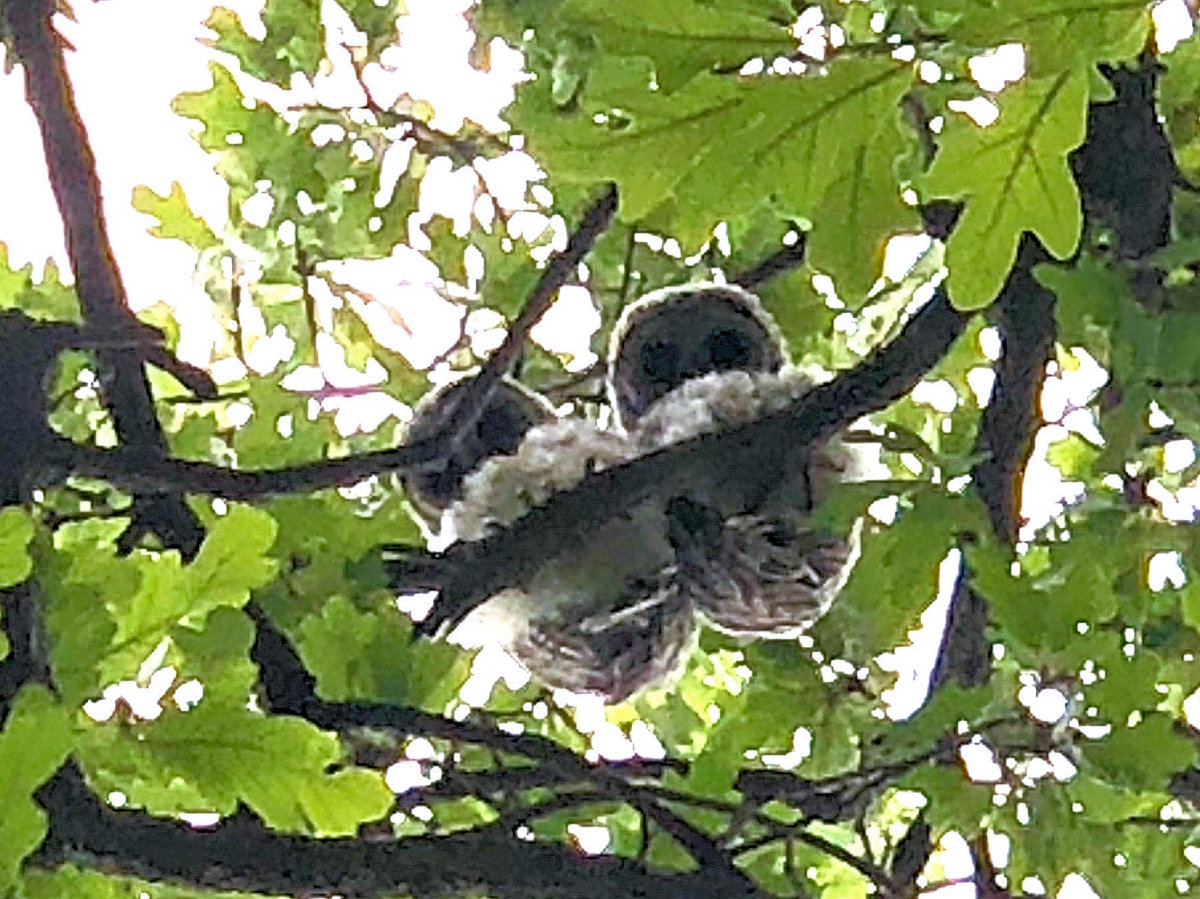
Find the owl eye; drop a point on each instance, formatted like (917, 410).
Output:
(725, 350)
(661, 363)
(502, 425)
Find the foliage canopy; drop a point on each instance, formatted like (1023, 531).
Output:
(216, 552)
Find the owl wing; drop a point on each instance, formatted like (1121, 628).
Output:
(768, 576)
(614, 653)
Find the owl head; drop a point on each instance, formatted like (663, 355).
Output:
(673, 335)
(512, 411)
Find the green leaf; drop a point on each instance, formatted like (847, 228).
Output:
(217, 756)
(1104, 803)
(866, 197)
(354, 337)
(1097, 308)
(769, 867)
(363, 655)
(786, 139)
(1190, 604)
(49, 300)
(175, 217)
(1014, 177)
(16, 531)
(294, 40)
(1129, 681)
(13, 282)
(748, 721)
(36, 740)
(785, 692)
(896, 578)
(1078, 586)
(446, 249)
(940, 714)
(1142, 756)
(218, 655)
(1054, 840)
(377, 19)
(258, 442)
(955, 801)
(1074, 457)
(232, 561)
(70, 882)
(462, 814)
(802, 314)
(1056, 34)
(1179, 104)
(347, 529)
(223, 111)
(509, 273)
(83, 581)
(682, 37)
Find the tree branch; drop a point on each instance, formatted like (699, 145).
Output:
(240, 854)
(130, 468)
(785, 259)
(76, 187)
(1024, 316)
(462, 414)
(26, 662)
(713, 861)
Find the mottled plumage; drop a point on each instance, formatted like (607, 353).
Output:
(770, 577)
(762, 572)
(614, 653)
(606, 617)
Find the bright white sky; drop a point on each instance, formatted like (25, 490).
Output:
(134, 56)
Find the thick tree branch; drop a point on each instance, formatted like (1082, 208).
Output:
(289, 688)
(963, 655)
(1126, 167)
(1024, 316)
(1125, 170)
(938, 323)
(72, 167)
(241, 854)
(26, 662)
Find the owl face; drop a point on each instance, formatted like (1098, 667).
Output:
(512, 411)
(673, 335)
